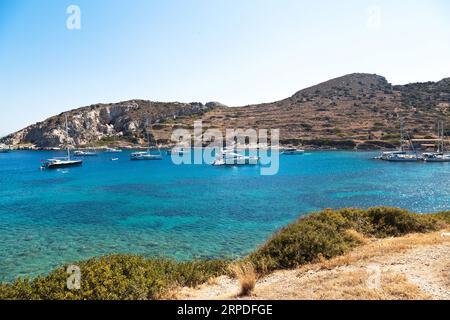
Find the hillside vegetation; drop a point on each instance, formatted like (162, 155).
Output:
(354, 110)
(318, 236)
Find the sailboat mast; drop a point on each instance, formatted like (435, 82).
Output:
(148, 140)
(401, 134)
(67, 138)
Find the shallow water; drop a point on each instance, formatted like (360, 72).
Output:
(154, 208)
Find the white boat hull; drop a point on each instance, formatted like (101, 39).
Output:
(62, 164)
(438, 160)
(292, 153)
(145, 156)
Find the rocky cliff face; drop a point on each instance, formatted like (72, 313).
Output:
(116, 121)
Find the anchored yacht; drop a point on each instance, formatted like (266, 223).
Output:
(147, 155)
(83, 153)
(62, 162)
(228, 157)
(113, 150)
(440, 155)
(292, 151)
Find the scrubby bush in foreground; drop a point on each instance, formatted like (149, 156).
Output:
(326, 234)
(117, 277)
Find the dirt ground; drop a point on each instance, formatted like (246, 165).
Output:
(413, 267)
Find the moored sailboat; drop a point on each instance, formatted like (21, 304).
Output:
(63, 162)
(146, 155)
(440, 155)
(401, 155)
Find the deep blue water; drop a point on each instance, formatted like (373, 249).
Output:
(154, 208)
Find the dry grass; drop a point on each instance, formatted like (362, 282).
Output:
(353, 286)
(359, 237)
(376, 248)
(246, 275)
(346, 276)
(446, 275)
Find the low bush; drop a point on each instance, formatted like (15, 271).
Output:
(325, 234)
(116, 277)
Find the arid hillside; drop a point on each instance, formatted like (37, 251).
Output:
(361, 110)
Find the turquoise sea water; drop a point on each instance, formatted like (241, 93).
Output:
(154, 208)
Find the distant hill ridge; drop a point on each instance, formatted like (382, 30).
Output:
(356, 109)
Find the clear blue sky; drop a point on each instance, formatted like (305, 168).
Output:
(234, 51)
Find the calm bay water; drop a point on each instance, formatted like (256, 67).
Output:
(154, 208)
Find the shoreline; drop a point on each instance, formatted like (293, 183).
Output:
(166, 148)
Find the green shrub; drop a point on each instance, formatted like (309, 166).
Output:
(397, 222)
(319, 235)
(444, 217)
(324, 234)
(116, 277)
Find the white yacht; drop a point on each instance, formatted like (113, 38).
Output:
(113, 150)
(292, 151)
(4, 149)
(145, 155)
(228, 157)
(84, 153)
(63, 162)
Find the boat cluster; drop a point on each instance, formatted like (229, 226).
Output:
(230, 156)
(227, 156)
(404, 156)
(408, 153)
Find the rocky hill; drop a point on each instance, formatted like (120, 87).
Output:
(115, 122)
(356, 109)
